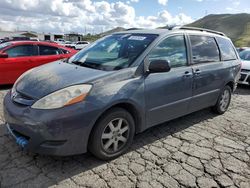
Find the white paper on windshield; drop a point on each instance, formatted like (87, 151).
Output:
(136, 38)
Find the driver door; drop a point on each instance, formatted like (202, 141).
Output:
(168, 94)
(19, 60)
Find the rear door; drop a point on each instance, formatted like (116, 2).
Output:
(167, 95)
(20, 60)
(208, 69)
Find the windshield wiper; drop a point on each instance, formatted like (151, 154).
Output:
(77, 62)
(86, 64)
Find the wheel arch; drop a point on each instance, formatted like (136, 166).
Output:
(128, 106)
(231, 84)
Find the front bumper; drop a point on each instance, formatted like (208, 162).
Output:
(59, 132)
(244, 77)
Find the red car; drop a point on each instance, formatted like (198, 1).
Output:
(20, 56)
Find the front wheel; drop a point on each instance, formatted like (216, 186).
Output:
(223, 101)
(112, 135)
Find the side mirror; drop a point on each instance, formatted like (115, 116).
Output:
(3, 55)
(157, 66)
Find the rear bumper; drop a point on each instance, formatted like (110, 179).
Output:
(59, 132)
(244, 78)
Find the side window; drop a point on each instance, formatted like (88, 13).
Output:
(227, 49)
(204, 49)
(49, 50)
(22, 51)
(172, 49)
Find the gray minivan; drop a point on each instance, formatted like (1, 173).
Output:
(118, 86)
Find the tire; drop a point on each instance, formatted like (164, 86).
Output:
(223, 101)
(112, 135)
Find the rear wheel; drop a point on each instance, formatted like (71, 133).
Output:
(223, 101)
(112, 135)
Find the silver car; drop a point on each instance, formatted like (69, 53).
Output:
(245, 67)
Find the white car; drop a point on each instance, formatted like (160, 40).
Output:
(69, 44)
(60, 41)
(245, 68)
(81, 44)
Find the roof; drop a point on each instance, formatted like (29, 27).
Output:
(175, 30)
(32, 42)
(37, 43)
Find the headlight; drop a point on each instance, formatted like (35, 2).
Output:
(63, 97)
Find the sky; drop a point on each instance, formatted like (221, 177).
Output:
(95, 16)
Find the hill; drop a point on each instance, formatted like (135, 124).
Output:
(92, 38)
(235, 26)
(117, 29)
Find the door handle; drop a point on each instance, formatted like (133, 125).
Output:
(197, 71)
(188, 74)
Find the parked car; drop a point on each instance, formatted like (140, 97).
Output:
(18, 57)
(60, 41)
(69, 44)
(245, 69)
(80, 45)
(76, 45)
(119, 86)
(34, 39)
(241, 49)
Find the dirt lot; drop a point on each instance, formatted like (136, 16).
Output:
(198, 150)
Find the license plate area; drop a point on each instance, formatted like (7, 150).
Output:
(20, 139)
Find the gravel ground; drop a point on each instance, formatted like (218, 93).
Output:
(198, 150)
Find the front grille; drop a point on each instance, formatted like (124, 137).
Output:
(248, 79)
(245, 70)
(242, 77)
(16, 133)
(20, 138)
(21, 98)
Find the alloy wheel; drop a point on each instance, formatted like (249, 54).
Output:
(115, 135)
(225, 99)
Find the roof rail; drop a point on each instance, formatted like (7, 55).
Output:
(202, 29)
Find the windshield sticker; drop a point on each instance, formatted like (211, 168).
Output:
(137, 38)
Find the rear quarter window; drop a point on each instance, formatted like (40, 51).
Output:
(227, 49)
(204, 49)
(49, 50)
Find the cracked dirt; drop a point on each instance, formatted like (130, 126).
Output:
(198, 150)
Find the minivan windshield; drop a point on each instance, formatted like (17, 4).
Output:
(245, 55)
(113, 52)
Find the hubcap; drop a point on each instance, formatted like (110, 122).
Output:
(115, 135)
(225, 98)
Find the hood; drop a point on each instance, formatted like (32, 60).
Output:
(43, 80)
(245, 65)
